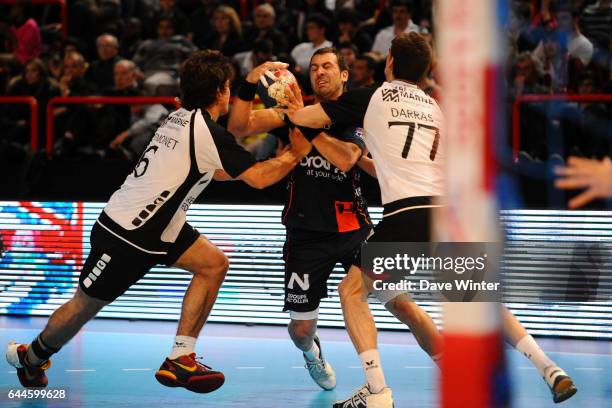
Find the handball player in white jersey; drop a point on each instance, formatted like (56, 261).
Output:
(144, 224)
(403, 130)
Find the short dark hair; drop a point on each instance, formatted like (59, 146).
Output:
(318, 19)
(332, 50)
(202, 75)
(411, 56)
(348, 44)
(402, 3)
(369, 60)
(347, 15)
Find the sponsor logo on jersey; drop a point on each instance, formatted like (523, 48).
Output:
(149, 209)
(390, 95)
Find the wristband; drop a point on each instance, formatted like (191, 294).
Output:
(310, 133)
(247, 91)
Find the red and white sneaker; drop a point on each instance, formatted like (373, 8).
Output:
(29, 376)
(185, 371)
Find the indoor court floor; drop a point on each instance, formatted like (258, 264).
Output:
(112, 362)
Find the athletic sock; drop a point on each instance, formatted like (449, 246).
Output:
(530, 349)
(370, 361)
(39, 352)
(182, 345)
(314, 353)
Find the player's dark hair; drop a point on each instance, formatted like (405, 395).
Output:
(411, 56)
(332, 50)
(202, 75)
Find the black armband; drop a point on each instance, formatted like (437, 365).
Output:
(310, 133)
(247, 91)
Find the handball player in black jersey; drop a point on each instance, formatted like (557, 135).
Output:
(325, 214)
(144, 224)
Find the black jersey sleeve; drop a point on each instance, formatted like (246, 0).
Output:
(234, 158)
(350, 108)
(353, 135)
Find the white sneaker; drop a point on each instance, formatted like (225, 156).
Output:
(363, 398)
(561, 385)
(320, 370)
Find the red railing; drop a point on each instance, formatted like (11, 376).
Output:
(28, 100)
(60, 3)
(96, 100)
(516, 110)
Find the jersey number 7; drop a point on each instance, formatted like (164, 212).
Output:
(410, 135)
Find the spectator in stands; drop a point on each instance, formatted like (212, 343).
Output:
(226, 35)
(552, 59)
(362, 71)
(312, 7)
(526, 79)
(348, 26)
(586, 125)
(73, 81)
(264, 18)
(401, 13)
(100, 72)
(89, 18)
(596, 23)
(168, 9)
(145, 120)
(160, 59)
(316, 30)
(33, 82)
(23, 34)
(112, 119)
(349, 52)
(263, 50)
(200, 21)
(286, 19)
(578, 46)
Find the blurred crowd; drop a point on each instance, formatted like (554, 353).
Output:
(561, 47)
(135, 48)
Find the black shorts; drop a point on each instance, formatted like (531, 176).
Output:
(310, 258)
(411, 223)
(113, 265)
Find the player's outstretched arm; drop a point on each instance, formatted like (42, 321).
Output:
(594, 175)
(266, 173)
(343, 155)
(243, 120)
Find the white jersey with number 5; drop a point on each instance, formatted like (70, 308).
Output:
(403, 131)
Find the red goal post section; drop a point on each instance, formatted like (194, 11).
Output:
(470, 55)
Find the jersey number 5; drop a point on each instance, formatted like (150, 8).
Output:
(410, 135)
(143, 162)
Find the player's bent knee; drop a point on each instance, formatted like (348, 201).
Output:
(302, 329)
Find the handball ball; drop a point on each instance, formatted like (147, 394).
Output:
(277, 82)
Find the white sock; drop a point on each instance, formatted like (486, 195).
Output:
(182, 345)
(530, 349)
(370, 361)
(314, 353)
